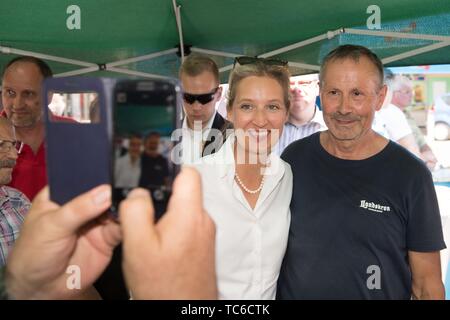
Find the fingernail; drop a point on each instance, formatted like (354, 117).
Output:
(102, 195)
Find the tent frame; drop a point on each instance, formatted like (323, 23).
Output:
(115, 66)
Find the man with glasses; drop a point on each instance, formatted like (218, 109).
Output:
(305, 118)
(199, 76)
(14, 205)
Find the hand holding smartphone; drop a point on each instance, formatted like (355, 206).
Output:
(111, 131)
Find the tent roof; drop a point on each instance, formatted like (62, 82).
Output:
(115, 30)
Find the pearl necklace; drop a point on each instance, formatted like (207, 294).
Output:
(247, 189)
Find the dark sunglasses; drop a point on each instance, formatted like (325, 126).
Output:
(267, 61)
(202, 98)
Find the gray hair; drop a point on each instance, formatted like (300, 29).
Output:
(354, 53)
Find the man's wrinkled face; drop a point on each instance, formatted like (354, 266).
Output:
(8, 153)
(403, 96)
(21, 94)
(350, 92)
(304, 92)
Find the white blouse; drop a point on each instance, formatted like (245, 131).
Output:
(250, 243)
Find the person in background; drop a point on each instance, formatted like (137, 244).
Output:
(14, 205)
(394, 121)
(154, 166)
(402, 88)
(22, 102)
(305, 118)
(128, 167)
(199, 77)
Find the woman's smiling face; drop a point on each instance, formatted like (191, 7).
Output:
(258, 113)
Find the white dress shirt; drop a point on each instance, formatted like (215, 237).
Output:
(395, 122)
(250, 243)
(193, 141)
(126, 173)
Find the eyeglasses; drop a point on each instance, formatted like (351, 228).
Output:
(303, 83)
(7, 145)
(267, 61)
(202, 98)
(404, 91)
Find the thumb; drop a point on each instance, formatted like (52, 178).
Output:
(42, 203)
(136, 214)
(187, 193)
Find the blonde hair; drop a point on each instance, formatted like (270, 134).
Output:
(259, 69)
(196, 64)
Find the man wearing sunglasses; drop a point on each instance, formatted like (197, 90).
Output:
(14, 205)
(202, 125)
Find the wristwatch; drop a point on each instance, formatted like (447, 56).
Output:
(3, 293)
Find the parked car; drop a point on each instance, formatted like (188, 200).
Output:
(441, 115)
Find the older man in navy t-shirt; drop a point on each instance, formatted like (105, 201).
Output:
(365, 219)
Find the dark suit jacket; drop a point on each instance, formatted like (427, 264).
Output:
(214, 142)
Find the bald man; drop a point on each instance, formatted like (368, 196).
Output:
(22, 103)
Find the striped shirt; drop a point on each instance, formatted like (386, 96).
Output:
(14, 206)
(292, 133)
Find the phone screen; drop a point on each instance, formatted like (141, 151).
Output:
(145, 115)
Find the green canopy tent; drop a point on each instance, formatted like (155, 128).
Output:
(148, 38)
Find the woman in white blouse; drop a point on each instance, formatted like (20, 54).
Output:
(247, 189)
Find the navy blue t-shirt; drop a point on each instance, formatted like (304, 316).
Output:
(354, 221)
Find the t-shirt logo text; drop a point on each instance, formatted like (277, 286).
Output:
(374, 207)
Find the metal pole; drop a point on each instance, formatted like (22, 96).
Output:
(176, 9)
(8, 50)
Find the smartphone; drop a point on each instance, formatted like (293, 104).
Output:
(110, 131)
(146, 112)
